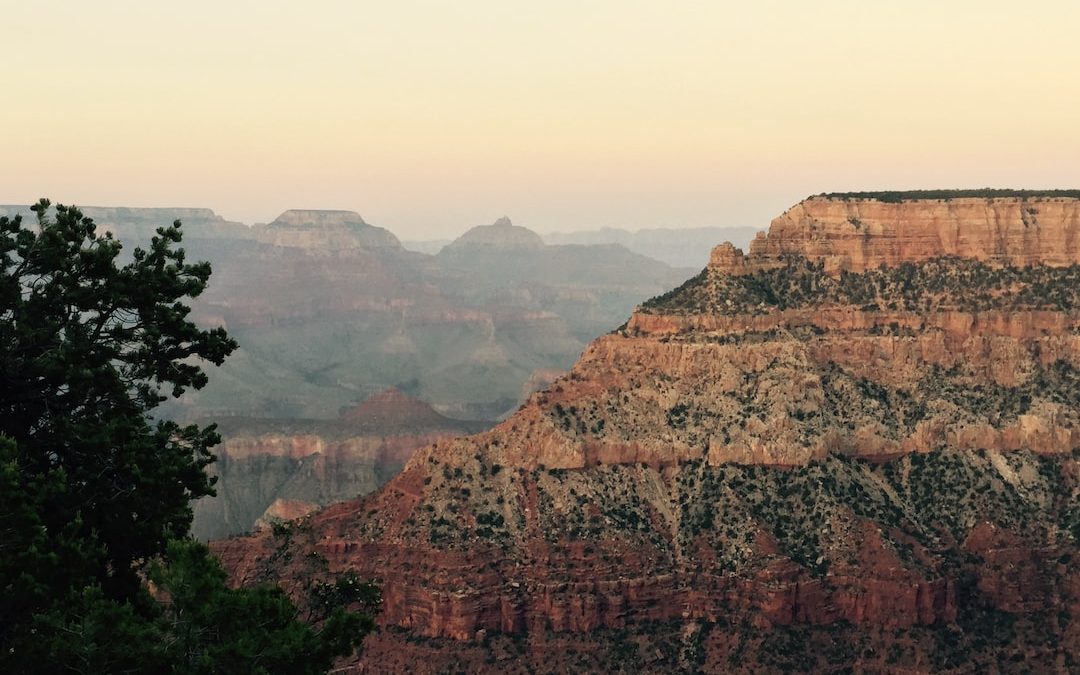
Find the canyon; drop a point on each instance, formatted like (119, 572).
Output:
(329, 310)
(854, 447)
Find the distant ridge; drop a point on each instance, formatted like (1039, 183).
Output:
(137, 222)
(502, 234)
(318, 228)
(678, 247)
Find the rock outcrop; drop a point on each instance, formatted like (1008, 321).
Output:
(392, 408)
(825, 454)
(855, 234)
(281, 511)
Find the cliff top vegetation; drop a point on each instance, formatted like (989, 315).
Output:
(897, 196)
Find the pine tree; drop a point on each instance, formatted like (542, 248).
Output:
(95, 494)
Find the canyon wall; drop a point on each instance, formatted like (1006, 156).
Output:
(859, 234)
(887, 458)
(268, 470)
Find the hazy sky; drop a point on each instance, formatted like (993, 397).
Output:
(428, 117)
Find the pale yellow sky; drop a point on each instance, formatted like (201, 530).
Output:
(429, 117)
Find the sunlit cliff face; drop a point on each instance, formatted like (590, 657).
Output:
(793, 442)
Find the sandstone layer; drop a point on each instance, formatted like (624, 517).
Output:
(861, 234)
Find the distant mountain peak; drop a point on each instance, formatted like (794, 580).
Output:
(502, 235)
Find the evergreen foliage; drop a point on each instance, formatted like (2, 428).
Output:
(895, 197)
(946, 283)
(95, 495)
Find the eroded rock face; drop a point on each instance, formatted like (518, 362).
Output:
(887, 458)
(861, 234)
(282, 511)
(267, 469)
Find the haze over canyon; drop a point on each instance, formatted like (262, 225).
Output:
(330, 311)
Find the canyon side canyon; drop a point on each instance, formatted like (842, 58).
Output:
(855, 447)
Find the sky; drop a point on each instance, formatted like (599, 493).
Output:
(430, 117)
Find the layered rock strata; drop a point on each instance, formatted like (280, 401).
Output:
(873, 445)
(281, 469)
(861, 234)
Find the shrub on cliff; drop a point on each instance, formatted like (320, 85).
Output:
(93, 491)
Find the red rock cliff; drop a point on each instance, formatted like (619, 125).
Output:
(769, 445)
(861, 234)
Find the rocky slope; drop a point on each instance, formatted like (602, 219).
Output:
(270, 470)
(781, 465)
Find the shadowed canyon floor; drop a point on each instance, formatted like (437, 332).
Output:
(854, 448)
